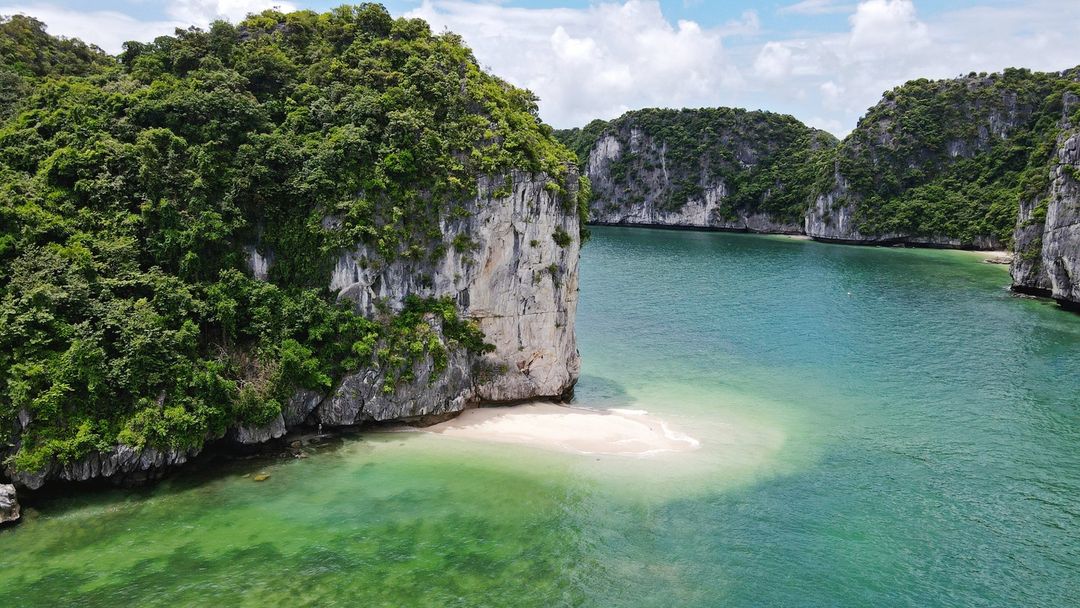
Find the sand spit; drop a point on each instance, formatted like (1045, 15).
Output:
(569, 429)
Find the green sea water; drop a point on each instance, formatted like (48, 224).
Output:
(878, 427)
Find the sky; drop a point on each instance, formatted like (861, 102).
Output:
(823, 61)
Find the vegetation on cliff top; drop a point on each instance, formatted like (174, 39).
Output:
(767, 161)
(130, 187)
(27, 51)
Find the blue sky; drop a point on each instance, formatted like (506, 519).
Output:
(824, 61)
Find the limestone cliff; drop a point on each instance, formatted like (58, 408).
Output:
(719, 168)
(505, 269)
(940, 163)
(9, 505)
(511, 276)
(1047, 256)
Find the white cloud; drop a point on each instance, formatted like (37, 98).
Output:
(107, 29)
(887, 26)
(831, 92)
(599, 61)
(827, 124)
(205, 11)
(773, 62)
(747, 24)
(612, 56)
(889, 43)
(615, 55)
(111, 29)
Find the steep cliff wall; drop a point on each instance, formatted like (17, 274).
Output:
(507, 267)
(945, 163)
(1047, 256)
(1061, 238)
(511, 275)
(716, 168)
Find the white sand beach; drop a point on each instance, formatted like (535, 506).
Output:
(569, 429)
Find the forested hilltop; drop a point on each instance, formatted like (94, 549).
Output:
(28, 53)
(984, 161)
(946, 161)
(713, 167)
(170, 220)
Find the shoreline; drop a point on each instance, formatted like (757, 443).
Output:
(534, 423)
(801, 236)
(1002, 256)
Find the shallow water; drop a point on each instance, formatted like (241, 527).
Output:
(877, 427)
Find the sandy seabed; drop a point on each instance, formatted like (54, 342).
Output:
(569, 429)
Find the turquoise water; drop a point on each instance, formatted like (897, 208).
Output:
(877, 427)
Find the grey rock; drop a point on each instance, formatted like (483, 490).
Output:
(1027, 268)
(343, 407)
(1061, 239)
(259, 264)
(24, 418)
(300, 406)
(831, 217)
(643, 199)
(122, 463)
(260, 434)
(833, 214)
(9, 504)
(634, 181)
(361, 397)
(1047, 258)
(292, 415)
(515, 282)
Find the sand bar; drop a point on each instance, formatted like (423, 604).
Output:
(569, 429)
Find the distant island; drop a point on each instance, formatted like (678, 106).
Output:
(985, 161)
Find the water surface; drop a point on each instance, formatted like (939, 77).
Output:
(878, 426)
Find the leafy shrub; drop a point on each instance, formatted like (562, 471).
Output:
(561, 237)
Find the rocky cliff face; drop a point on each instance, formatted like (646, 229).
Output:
(505, 268)
(509, 274)
(1047, 256)
(151, 332)
(9, 505)
(716, 168)
(833, 217)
